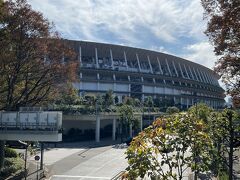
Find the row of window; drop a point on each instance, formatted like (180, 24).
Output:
(107, 77)
(167, 68)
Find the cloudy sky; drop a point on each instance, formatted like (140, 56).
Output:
(171, 26)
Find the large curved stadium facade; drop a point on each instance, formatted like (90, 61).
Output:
(140, 73)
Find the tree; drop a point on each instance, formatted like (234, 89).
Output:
(167, 148)
(223, 126)
(68, 95)
(108, 99)
(149, 101)
(116, 100)
(201, 111)
(126, 119)
(172, 110)
(34, 62)
(223, 31)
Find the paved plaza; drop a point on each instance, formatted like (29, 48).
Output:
(100, 162)
(88, 161)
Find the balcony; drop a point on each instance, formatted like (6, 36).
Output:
(31, 126)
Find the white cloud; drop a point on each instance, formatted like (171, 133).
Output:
(201, 53)
(165, 20)
(174, 26)
(159, 49)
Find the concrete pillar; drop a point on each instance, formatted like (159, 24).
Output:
(130, 130)
(125, 58)
(97, 130)
(114, 129)
(159, 65)
(80, 55)
(111, 58)
(175, 69)
(150, 65)
(168, 67)
(96, 57)
(181, 101)
(139, 66)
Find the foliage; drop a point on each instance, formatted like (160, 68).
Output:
(222, 128)
(148, 101)
(10, 153)
(108, 99)
(128, 100)
(11, 166)
(200, 110)
(126, 113)
(68, 95)
(32, 63)
(223, 31)
(167, 148)
(116, 100)
(172, 110)
(163, 103)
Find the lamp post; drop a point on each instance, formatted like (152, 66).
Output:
(25, 160)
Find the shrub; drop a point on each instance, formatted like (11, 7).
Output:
(172, 110)
(11, 165)
(9, 152)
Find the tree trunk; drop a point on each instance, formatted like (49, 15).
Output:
(2, 144)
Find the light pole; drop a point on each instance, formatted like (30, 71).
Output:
(25, 161)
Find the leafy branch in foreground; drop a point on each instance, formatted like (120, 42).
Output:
(169, 147)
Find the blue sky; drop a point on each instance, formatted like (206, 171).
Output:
(170, 26)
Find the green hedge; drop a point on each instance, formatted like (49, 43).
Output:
(11, 166)
(9, 152)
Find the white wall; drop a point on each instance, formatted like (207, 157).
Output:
(88, 86)
(122, 87)
(148, 89)
(105, 86)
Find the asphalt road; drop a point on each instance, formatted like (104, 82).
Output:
(86, 163)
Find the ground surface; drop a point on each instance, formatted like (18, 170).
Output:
(84, 161)
(88, 161)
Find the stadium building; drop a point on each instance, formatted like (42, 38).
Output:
(140, 73)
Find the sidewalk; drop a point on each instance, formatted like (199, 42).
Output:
(33, 173)
(32, 164)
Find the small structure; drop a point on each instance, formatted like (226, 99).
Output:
(31, 125)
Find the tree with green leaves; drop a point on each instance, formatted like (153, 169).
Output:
(34, 62)
(201, 110)
(223, 30)
(68, 95)
(127, 119)
(169, 147)
(223, 126)
(108, 99)
(172, 110)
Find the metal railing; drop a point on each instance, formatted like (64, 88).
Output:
(10, 126)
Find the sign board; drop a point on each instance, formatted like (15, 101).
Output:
(37, 158)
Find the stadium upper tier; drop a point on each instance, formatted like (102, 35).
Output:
(140, 73)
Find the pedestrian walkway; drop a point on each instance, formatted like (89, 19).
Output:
(61, 157)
